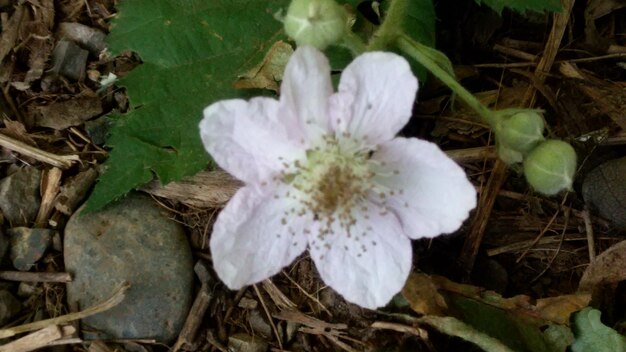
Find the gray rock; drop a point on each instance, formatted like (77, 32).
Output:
(604, 188)
(28, 246)
(136, 241)
(89, 38)
(19, 196)
(69, 60)
(241, 342)
(27, 289)
(9, 306)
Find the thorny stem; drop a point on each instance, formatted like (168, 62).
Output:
(414, 49)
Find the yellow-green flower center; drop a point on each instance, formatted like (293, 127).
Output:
(332, 181)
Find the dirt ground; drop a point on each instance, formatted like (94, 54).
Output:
(516, 242)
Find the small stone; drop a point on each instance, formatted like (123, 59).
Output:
(258, 324)
(89, 38)
(57, 242)
(604, 189)
(9, 306)
(98, 129)
(69, 60)
(135, 241)
(19, 196)
(247, 303)
(242, 342)
(27, 289)
(28, 246)
(290, 330)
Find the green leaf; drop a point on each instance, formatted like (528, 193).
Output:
(454, 327)
(420, 26)
(192, 52)
(523, 5)
(420, 21)
(518, 331)
(593, 336)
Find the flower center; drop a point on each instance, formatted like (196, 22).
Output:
(334, 180)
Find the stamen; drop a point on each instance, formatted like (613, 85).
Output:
(333, 184)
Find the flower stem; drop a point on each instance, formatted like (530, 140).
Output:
(414, 49)
(353, 43)
(391, 28)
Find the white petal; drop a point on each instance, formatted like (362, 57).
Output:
(305, 91)
(369, 266)
(375, 97)
(252, 238)
(247, 139)
(431, 193)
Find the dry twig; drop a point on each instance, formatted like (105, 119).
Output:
(114, 300)
(60, 161)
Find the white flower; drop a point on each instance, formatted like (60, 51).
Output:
(323, 171)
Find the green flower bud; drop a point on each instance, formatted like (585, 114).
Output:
(508, 155)
(519, 129)
(550, 167)
(318, 23)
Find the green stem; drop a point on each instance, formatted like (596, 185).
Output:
(353, 43)
(391, 27)
(413, 49)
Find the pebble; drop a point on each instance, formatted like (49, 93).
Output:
(241, 342)
(91, 39)
(19, 196)
(28, 246)
(69, 60)
(136, 241)
(604, 188)
(9, 306)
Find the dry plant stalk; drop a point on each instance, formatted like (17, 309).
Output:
(35, 277)
(114, 300)
(60, 161)
(38, 339)
(50, 183)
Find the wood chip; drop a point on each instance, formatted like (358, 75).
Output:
(25, 276)
(207, 189)
(74, 191)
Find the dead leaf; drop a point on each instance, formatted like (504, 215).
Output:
(422, 295)
(36, 38)
(558, 309)
(552, 309)
(63, 114)
(10, 31)
(608, 269)
(269, 72)
(16, 130)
